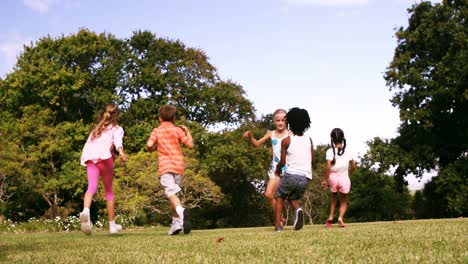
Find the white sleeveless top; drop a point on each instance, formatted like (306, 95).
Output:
(276, 153)
(299, 156)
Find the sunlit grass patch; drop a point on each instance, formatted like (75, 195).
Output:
(422, 241)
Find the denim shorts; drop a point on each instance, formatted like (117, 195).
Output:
(292, 186)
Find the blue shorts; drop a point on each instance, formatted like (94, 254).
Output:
(292, 186)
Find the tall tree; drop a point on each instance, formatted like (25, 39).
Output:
(161, 71)
(428, 74)
(71, 75)
(59, 84)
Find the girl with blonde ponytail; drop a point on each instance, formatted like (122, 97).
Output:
(98, 159)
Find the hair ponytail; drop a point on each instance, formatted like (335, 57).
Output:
(109, 116)
(333, 147)
(337, 136)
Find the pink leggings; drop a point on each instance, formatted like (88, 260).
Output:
(104, 168)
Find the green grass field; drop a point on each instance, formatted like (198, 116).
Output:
(421, 241)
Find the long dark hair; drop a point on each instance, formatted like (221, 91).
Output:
(337, 137)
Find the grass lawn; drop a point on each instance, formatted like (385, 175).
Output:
(421, 241)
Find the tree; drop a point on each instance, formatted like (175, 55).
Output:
(429, 74)
(13, 169)
(161, 71)
(50, 150)
(447, 194)
(315, 198)
(140, 196)
(374, 198)
(71, 75)
(60, 84)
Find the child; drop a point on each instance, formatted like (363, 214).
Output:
(166, 139)
(337, 174)
(297, 153)
(98, 158)
(276, 136)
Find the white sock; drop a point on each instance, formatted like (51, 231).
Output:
(111, 223)
(180, 211)
(86, 210)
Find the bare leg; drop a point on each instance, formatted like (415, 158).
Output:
(332, 206)
(271, 187)
(294, 204)
(88, 198)
(174, 200)
(343, 206)
(278, 212)
(110, 209)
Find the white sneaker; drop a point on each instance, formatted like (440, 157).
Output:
(86, 224)
(115, 229)
(299, 221)
(176, 227)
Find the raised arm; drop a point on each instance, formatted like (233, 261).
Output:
(260, 142)
(151, 144)
(189, 141)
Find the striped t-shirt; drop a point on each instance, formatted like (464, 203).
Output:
(168, 137)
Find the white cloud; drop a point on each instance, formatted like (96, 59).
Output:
(10, 47)
(43, 6)
(327, 2)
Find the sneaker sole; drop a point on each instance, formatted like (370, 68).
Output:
(300, 220)
(114, 231)
(187, 226)
(85, 228)
(176, 232)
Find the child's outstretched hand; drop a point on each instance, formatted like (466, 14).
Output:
(324, 184)
(247, 134)
(184, 128)
(278, 172)
(122, 155)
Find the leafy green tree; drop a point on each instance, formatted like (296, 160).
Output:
(374, 198)
(161, 71)
(71, 75)
(13, 169)
(315, 198)
(50, 149)
(429, 74)
(58, 86)
(140, 196)
(236, 166)
(419, 205)
(446, 195)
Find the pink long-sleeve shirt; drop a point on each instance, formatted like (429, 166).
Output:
(100, 148)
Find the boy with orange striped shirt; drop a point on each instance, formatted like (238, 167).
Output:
(166, 139)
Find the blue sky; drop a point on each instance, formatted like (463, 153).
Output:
(327, 56)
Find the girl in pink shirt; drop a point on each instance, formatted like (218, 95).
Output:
(98, 159)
